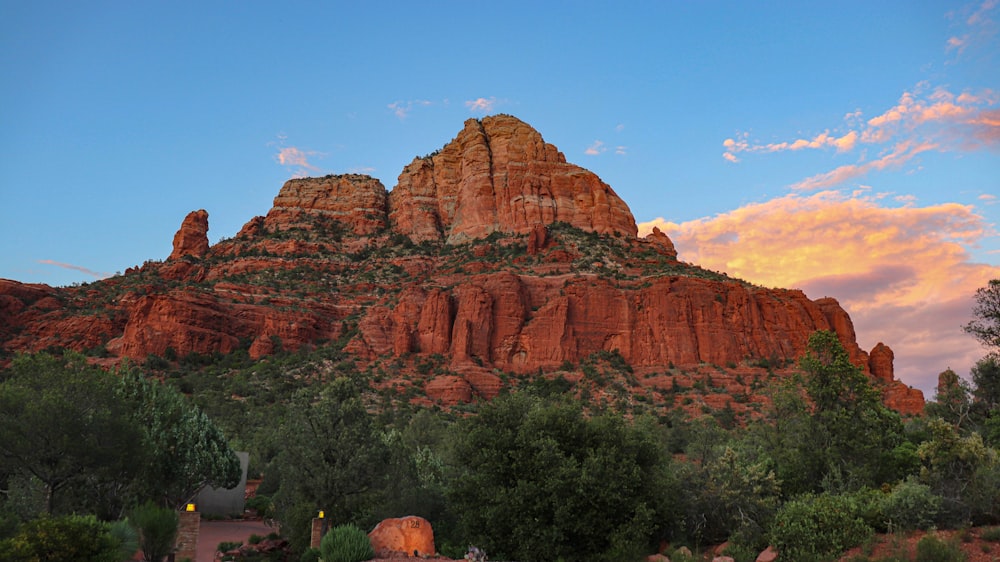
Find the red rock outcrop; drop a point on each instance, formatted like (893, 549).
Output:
(682, 320)
(880, 362)
(499, 175)
(661, 240)
(896, 394)
(192, 238)
(406, 536)
(354, 200)
(328, 260)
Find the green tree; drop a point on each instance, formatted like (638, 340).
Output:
(332, 459)
(839, 435)
(61, 424)
(986, 384)
(183, 449)
(985, 326)
(962, 470)
(731, 497)
(539, 481)
(952, 400)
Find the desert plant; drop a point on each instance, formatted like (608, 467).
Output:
(125, 537)
(346, 543)
(813, 527)
(990, 534)
(310, 555)
(910, 506)
(932, 549)
(157, 528)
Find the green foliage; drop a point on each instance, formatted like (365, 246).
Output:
(952, 401)
(157, 528)
(962, 471)
(731, 497)
(125, 538)
(70, 538)
(310, 555)
(540, 481)
(813, 527)
(910, 506)
(332, 458)
(94, 442)
(991, 534)
(184, 449)
(833, 432)
(932, 549)
(985, 326)
(62, 427)
(346, 543)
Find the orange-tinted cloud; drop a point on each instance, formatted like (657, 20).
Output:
(922, 120)
(80, 268)
(900, 154)
(976, 25)
(903, 273)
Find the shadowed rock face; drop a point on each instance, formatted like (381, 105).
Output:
(522, 262)
(499, 175)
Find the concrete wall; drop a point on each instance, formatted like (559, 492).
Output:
(222, 502)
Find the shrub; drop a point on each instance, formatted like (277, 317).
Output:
(62, 539)
(932, 549)
(310, 555)
(813, 527)
(346, 543)
(910, 506)
(157, 528)
(991, 534)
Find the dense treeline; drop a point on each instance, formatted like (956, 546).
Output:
(536, 474)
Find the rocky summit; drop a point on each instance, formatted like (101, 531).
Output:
(492, 257)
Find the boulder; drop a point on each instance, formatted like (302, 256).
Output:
(407, 536)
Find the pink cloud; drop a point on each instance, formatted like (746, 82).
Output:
(596, 148)
(80, 268)
(292, 157)
(922, 120)
(402, 109)
(903, 273)
(901, 154)
(482, 105)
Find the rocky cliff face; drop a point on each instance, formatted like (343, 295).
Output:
(493, 255)
(499, 175)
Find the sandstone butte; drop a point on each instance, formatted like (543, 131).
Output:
(491, 256)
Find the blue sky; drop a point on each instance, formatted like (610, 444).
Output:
(848, 148)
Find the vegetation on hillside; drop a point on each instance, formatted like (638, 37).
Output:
(544, 471)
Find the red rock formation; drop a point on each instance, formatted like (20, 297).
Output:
(327, 259)
(662, 241)
(354, 200)
(192, 238)
(405, 536)
(682, 320)
(896, 395)
(499, 175)
(880, 362)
